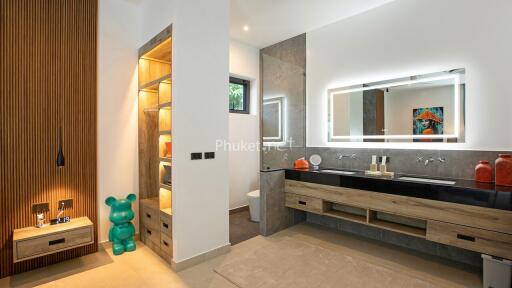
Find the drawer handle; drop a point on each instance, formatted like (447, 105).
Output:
(466, 237)
(148, 215)
(149, 232)
(302, 202)
(165, 243)
(165, 225)
(56, 241)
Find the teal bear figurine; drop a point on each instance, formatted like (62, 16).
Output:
(122, 231)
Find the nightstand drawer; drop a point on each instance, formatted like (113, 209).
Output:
(479, 240)
(305, 203)
(40, 246)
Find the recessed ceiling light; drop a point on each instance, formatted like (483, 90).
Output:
(246, 28)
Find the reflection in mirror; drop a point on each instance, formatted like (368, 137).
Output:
(425, 108)
(273, 111)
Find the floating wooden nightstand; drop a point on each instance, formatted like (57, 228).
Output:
(32, 242)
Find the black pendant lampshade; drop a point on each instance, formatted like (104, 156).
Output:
(60, 154)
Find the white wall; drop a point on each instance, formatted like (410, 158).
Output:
(410, 37)
(244, 164)
(200, 114)
(117, 105)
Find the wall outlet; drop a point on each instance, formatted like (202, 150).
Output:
(40, 207)
(196, 156)
(68, 203)
(209, 155)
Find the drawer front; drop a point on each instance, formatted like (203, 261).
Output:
(151, 234)
(166, 244)
(52, 243)
(305, 203)
(150, 217)
(166, 227)
(479, 240)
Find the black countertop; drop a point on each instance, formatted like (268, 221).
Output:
(463, 191)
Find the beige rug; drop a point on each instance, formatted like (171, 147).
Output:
(295, 263)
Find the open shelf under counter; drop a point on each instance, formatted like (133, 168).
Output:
(153, 85)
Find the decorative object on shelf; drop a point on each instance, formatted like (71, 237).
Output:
(301, 163)
(122, 231)
(373, 166)
(59, 219)
(315, 159)
(167, 179)
(40, 220)
(168, 149)
(483, 172)
(503, 166)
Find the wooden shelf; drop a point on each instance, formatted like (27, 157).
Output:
(153, 85)
(346, 216)
(166, 160)
(165, 132)
(166, 105)
(409, 230)
(166, 186)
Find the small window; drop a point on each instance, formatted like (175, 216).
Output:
(239, 95)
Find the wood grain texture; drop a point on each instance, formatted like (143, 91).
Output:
(479, 217)
(484, 241)
(47, 61)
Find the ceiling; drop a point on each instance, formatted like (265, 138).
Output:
(272, 21)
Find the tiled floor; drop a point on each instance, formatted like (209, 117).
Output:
(241, 227)
(143, 268)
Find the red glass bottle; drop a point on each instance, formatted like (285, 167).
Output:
(483, 172)
(503, 167)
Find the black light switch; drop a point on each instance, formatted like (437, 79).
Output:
(209, 155)
(196, 156)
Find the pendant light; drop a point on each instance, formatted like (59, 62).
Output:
(60, 154)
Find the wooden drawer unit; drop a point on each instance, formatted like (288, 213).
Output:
(150, 217)
(151, 234)
(305, 203)
(166, 244)
(166, 227)
(479, 240)
(34, 242)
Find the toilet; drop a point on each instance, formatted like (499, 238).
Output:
(254, 205)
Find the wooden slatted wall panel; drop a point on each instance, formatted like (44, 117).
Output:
(47, 61)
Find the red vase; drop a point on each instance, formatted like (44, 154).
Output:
(504, 170)
(483, 172)
(168, 149)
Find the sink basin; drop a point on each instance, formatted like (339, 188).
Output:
(338, 172)
(427, 180)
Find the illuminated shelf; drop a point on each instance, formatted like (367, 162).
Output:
(165, 132)
(166, 186)
(153, 85)
(165, 105)
(166, 159)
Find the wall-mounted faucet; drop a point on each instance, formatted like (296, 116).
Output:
(430, 160)
(340, 156)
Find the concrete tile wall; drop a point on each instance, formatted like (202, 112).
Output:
(459, 164)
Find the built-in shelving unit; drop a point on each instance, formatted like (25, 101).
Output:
(155, 143)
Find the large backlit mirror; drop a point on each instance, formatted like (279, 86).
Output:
(421, 108)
